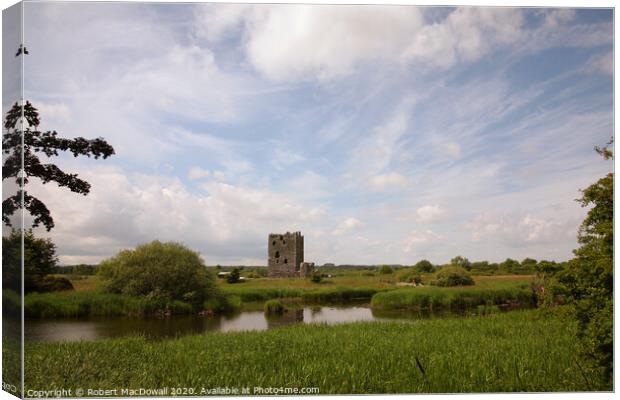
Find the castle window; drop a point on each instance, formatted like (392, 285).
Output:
(273, 243)
(277, 254)
(285, 261)
(284, 242)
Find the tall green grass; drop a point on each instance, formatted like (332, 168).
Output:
(434, 298)
(509, 352)
(339, 295)
(83, 304)
(322, 295)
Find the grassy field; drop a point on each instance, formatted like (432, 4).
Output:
(352, 284)
(508, 352)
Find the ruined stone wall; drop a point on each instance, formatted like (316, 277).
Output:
(285, 254)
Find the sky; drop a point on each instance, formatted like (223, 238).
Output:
(385, 134)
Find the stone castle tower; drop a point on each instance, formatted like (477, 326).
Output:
(286, 255)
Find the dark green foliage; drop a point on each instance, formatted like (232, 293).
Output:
(409, 275)
(274, 307)
(424, 266)
(316, 277)
(39, 261)
(49, 144)
(223, 304)
(385, 269)
(161, 271)
(586, 282)
(510, 266)
(234, 276)
(453, 276)
(55, 284)
(460, 261)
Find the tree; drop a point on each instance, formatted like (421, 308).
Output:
(21, 124)
(586, 281)
(39, 261)
(462, 262)
(453, 276)
(424, 266)
(385, 269)
(161, 271)
(234, 276)
(510, 265)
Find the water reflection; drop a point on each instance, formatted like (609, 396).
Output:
(161, 328)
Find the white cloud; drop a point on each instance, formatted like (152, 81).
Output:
(557, 17)
(465, 35)
(347, 225)
(520, 230)
(196, 173)
(387, 181)
(226, 223)
(53, 112)
(417, 239)
(301, 42)
(430, 213)
(603, 63)
(453, 149)
(283, 158)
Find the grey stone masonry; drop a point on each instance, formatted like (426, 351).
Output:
(285, 254)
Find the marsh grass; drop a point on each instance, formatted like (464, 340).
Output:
(311, 295)
(508, 352)
(435, 298)
(85, 304)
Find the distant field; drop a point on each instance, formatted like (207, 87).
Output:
(508, 352)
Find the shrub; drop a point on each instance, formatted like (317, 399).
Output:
(274, 307)
(223, 303)
(424, 266)
(460, 261)
(159, 271)
(453, 276)
(316, 277)
(385, 269)
(409, 275)
(54, 284)
(234, 276)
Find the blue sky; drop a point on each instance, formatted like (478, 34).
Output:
(386, 134)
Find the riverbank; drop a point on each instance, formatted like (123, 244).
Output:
(460, 298)
(507, 352)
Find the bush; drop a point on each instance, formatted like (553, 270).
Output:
(159, 271)
(424, 266)
(223, 304)
(316, 277)
(54, 284)
(453, 276)
(234, 276)
(385, 269)
(409, 275)
(274, 307)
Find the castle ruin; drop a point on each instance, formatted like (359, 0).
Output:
(286, 256)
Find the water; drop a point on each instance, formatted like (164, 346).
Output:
(42, 330)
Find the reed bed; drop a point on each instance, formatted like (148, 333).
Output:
(435, 298)
(508, 352)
